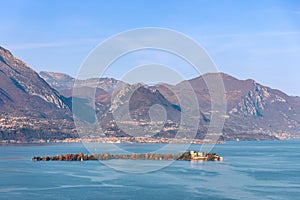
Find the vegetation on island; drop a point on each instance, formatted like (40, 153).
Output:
(190, 155)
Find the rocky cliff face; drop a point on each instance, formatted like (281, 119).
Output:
(22, 77)
(255, 109)
(58, 81)
(27, 101)
(266, 111)
(140, 99)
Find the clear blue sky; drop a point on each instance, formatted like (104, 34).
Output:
(247, 39)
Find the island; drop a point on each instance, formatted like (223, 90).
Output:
(188, 156)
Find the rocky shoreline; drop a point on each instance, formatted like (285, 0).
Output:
(190, 155)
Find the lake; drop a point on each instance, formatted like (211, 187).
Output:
(250, 170)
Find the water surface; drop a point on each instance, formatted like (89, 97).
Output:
(250, 170)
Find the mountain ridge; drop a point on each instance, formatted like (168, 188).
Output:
(246, 99)
(39, 106)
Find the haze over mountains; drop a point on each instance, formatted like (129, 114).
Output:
(38, 106)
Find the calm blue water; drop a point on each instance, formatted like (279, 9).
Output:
(250, 170)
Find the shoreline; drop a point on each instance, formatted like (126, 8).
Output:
(116, 140)
(127, 140)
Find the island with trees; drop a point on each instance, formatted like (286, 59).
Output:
(188, 156)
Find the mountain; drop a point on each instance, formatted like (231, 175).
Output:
(254, 111)
(39, 106)
(113, 98)
(139, 110)
(64, 83)
(30, 108)
(59, 81)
